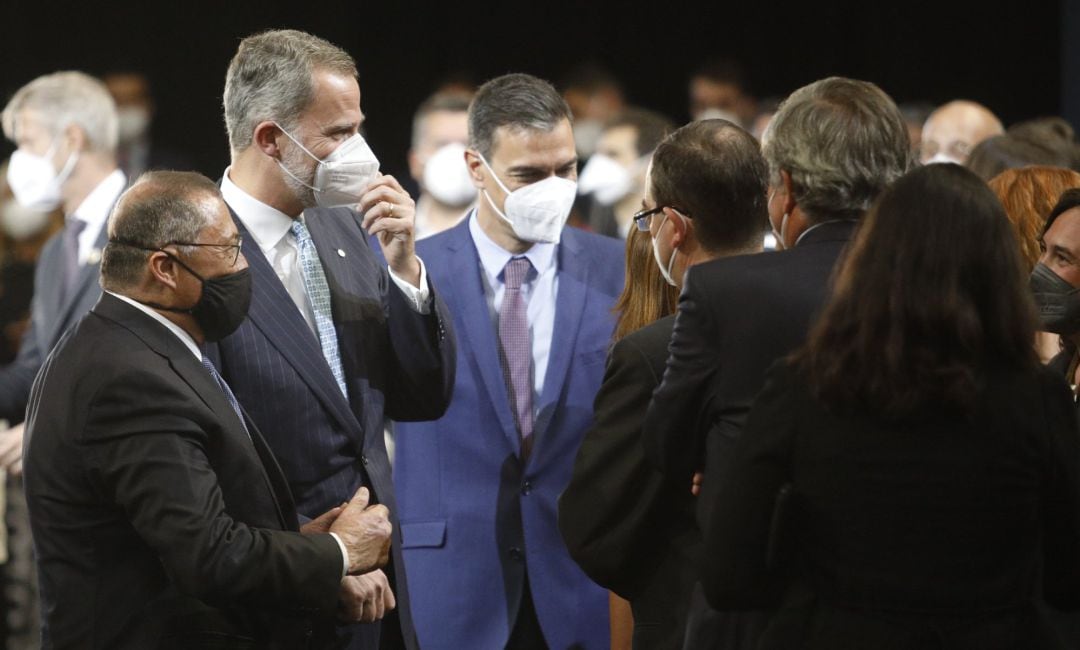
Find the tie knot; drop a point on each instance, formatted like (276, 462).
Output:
(515, 271)
(299, 230)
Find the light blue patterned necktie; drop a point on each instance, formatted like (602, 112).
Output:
(318, 293)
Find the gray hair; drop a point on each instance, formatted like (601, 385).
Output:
(161, 208)
(519, 101)
(270, 78)
(446, 102)
(61, 99)
(842, 141)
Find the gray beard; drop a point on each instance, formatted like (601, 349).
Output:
(296, 161)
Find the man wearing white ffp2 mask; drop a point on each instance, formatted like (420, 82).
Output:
(340, 178)
(532, 303)
(440, 135)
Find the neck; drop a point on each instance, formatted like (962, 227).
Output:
(260, 177)
(437, 216)
(88, 173)
(148, 297)
(625, 208)
(498, 230)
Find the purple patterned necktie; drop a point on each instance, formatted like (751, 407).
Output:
(515, 351)
(70, 241)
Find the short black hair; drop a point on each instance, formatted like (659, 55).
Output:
(714, 171)
(1069, 199)
(651, 127)
(520, 101)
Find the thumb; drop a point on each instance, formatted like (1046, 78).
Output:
(359, 500)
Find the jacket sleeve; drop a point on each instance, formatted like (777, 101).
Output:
(1061, 498)
(672, 433)
(145, 456)
(608, 514)
(17, 377)
(734, 572)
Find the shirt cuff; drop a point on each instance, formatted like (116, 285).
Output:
(419, 297)
(344, 555)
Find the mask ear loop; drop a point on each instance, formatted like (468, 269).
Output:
(286, 169)
(487, 196)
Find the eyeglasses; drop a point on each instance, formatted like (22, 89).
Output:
(223, 247)
(641, 219)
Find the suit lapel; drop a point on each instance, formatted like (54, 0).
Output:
(573, 275)
(275, 314)
(466, 290)
(83, 294)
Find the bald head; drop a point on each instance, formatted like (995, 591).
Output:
(953, 130)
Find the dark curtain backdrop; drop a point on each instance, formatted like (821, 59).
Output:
(1010, 59)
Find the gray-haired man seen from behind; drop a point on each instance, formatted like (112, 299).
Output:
(159, 516)
(335, 340)
(832, 147)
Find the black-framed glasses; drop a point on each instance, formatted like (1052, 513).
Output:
(641, 219)
(223, 247)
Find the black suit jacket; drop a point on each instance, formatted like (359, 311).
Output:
(627, 526)
(157, 520)
(940, 532)
(397, 362)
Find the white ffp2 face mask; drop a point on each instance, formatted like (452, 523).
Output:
(538, 211)
(34, 182)
(446, 176)
(343, 177)
(605, 179)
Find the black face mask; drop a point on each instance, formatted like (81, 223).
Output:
(222, 306)
(1058, 302)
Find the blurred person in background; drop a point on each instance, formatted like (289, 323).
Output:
(1029, 194)
(629, 527)
(440, 133)
(135, 150)
(614, 177)
(718, 89)
(953, 130)
(595, 96)
(915, 115)
(930, 464)
(1044, 141)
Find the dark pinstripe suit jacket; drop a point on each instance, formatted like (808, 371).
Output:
(397, 362)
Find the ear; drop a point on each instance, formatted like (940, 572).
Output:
(163, 269)
(788, 196)
(477, 170)
(680, 227)
(266, 136)
(75, 137)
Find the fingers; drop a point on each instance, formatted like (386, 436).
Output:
(322, 523)
(695, 483)
(359, 500)
(11, 446)
(365, 598)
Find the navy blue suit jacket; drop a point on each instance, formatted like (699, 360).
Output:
(475, 516)
(398, 363)
(51, 315)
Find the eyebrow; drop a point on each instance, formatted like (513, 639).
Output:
(530, 169)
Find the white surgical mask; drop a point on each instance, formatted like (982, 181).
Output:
(605, 179)
(20, 222)
(538, 211)
(665, 270)
(343, 177)
(132, 123)
(446, 176)
(34, 181)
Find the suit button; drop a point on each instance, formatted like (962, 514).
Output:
(363, 459)
(516, 553)
(526, 488)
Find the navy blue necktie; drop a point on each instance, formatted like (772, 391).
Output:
(209, 365)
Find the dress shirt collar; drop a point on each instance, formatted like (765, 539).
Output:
(184, 337)
(95, 208)
(494, 257)
(266, 224)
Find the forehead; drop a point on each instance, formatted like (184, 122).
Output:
(619, 137)
(1065, 232)
(127, 88)
(336, 99)
(29, 124)
(451, 126)
(513, 145)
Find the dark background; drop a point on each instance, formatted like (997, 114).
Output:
(1011, 57)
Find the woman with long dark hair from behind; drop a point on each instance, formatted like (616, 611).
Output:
(927, 463)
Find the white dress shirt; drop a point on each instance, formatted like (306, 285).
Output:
(94, 211)
(539, 290)
(190, 344)
(272, 231)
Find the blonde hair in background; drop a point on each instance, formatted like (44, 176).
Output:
(646, 297)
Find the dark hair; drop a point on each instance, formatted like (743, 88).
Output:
(722, 71)
(713, 171)
(589, 78)
(160, 208)
(1028, 195)
(930, 298)
(1068, 200)
(651, 127)
(518, 101)
(1001, 152)
(441, 102)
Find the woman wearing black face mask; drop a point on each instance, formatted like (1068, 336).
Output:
(1057, 300)
(929, 464)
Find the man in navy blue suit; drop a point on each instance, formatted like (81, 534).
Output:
(531, 299)
(335, 339)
